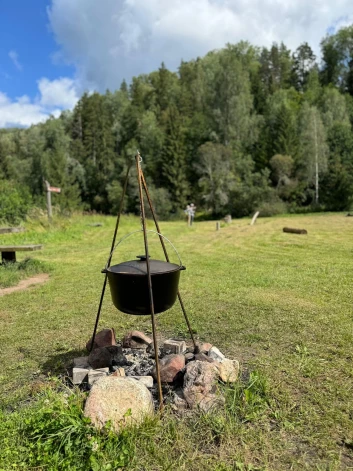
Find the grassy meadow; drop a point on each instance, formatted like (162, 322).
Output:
(280, 303)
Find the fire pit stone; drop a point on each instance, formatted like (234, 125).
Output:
(146, 380)
(174, 346)
(81, 362)
(228, 370)
(111, 398)
(104, 338)
(215, 354)
(136, 339)
(189, 356)
(205, 347)
(203, 357)
(106, 357)
(94, 375)
(200, 386)
(118, 372)
(171, 367)
(79, 375)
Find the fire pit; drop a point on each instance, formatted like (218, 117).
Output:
(189, 380)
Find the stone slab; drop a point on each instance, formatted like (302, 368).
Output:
(79, 375)
(172, 346)
(216, 355)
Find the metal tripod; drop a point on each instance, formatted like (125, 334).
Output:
(142, 186)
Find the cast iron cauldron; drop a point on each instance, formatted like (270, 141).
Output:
(128, 283)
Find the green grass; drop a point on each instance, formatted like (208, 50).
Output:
(11, 273)
(280, 303)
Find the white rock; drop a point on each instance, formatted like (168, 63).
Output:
(146, 380)
(119, 400)
(228, 370)
(79, 375)
(216, 355)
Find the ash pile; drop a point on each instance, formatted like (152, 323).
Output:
(121, 376)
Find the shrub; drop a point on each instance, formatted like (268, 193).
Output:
(14, 203)
(272, 208)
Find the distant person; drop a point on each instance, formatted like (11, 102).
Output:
(192, 213)
(188, 212)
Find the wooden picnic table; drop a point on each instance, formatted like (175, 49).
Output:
(8, 252)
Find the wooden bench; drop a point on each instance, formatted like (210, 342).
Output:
(8, 252)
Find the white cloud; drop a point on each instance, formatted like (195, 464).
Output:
(14, 57)
(20, 112)
(61, 92)
(54, 96)
(115, 39)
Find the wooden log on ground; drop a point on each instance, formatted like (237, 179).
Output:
(254, 218)
(11, 230)
(294, 231)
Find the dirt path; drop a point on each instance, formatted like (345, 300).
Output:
(24, 284)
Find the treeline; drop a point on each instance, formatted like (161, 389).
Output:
(241, 129)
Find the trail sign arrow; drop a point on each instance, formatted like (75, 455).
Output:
(54, 189)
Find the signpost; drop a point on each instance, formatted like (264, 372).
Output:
(50, 190)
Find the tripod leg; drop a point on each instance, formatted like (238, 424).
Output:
(143, 220)
(110, 257)
(167, 258)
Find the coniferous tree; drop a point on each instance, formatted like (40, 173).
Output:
(98, 144)
(303, 63)
(173, 159)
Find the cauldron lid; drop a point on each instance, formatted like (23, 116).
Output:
(139, 267)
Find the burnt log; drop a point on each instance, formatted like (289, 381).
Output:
(294, 231)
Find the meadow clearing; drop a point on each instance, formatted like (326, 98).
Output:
(280, 303)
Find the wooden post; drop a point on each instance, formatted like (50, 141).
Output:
(316, 166)
(218, 226)
(49, 208)
(254, 218)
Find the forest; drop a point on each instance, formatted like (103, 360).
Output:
(244, 128)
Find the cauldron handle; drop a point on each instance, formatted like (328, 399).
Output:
(135, 232)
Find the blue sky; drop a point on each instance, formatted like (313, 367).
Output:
(53, 50)
(25, 30)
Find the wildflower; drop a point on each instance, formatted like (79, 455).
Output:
(95, 446)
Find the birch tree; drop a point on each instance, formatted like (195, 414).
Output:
(313, 146)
